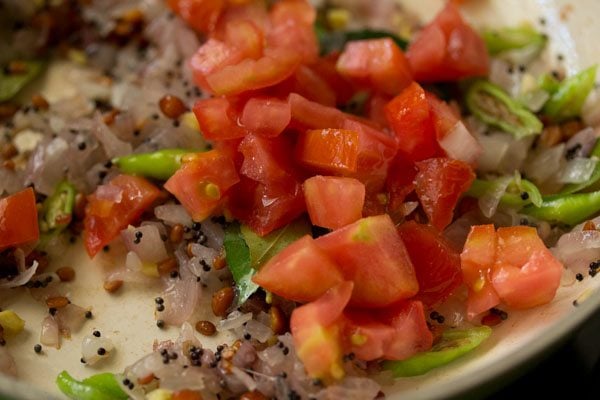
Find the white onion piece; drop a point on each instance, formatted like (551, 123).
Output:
(131, 272)
(494, 147)
(590, 112)
(544, 163)
(7, 363)
(516, 154)
(243, 377)
(70, 319)
(458, 230)
(459, 144)
(46, 165)
(578, 170)
(234, 320)
(258, 331)
(113, 146)
(534, 100)
(150, 246)
(180, 300)
(577, 249)
(585, 139)
(25, 273)
(91, 346)
(500, 75)
(173, 214)
(488, 203)
(214, 233)
(49, 334)
(352, 388)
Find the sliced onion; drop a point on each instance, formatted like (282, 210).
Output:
(488, 203)
(577, 249)
(113, 146)
(243, 377)
(180, 300)
(234, 320)
(501, 76)
(49, 335)
(258, 331)
(544, 163)
(70, 319)
(24, 275)
(459, 144)
(173, 214)
(534, 99)
(91, 349)
(149, 247)
(494, 148)
(578, 170)
(352, 388)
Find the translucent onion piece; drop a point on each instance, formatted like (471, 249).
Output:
(578, 170)
(94, 349)
(488, 203)
(49, 335)
(149, 246)
(459, 144)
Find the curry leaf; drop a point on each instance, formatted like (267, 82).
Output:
(238, 259)
(12, 83)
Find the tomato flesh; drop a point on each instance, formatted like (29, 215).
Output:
(18, 219)
(266, 117)
(218, 119)
(202, 15)
(329, 150)
(114, 206)
(372, 255)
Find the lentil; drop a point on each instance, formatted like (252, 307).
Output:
(8, 151)
(277, 320)
(57, 302)
(176, 234)
(206, 328)
(65, 274)
(167, 266)
(254, 395)
(113, 286)
(222, 300)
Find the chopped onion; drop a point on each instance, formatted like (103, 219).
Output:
(578, 170)
(494, 147)
(146, 242)
(234, 320)
(110, 193)
(70, 319)
(49, 335)
(543, 164)
(24, 275)
(180, 300)
(590, 112)
(173, 214)
(585, 140)
(113, 146)
(94, 349)
(488, 203)
(459, 144)
(258, 331)
(577, 249)
(243, 377)
(352, 388)
(501, 76)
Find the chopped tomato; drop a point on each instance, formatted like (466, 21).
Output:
(267, 160)
(292, 28)
(202, 182)
(300, 272)
(266, 116)
(444, 118)
(202, 15)
(333, 202)
(245, 37)
(18, 219)
(316, 331)
(526, 274)
(410, 118)
(448, 49)
(375, 108)
(436, 263)
(114, 206)
(372, 255)
(186, 395)
(477, 261)
(366, 336)
(218, 119)
(439, 184)
(375, 63)
(328, 150)
(399, 184)
(308, 83)
(211, 56)
(325, 68)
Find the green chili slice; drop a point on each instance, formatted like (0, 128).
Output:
(590, 183)
(567, 100)
(13, 83)
(97, 387)
(160, 164)
(454, 344)
(519, 193)
(58, 208)
(570, 209)
(513, 38)
(492, 105)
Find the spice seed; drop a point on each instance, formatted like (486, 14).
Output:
(206, 328)
(113, 286)
(66, 274)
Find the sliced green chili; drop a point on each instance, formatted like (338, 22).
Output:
(160, 164)
(512, 38)
(570, 209)
(495, 107)
(97, 387)
(548, 83)
(13, 83)
(567, 100)
(58, 208)
(519, 193)
(454, 344)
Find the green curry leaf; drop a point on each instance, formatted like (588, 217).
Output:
(237, 255)
(11, 84)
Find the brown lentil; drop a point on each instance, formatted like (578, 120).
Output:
(491, 320)
(186, 395)
(589, 226)
(39, 102)
(57, 302)
(253, 395)
(172, 106)
(110, 116)
(165, 267)
(278, 321)
(570, 128)
(146, 379)
(176, 233)
(8, 164)
(206, 328)
(219, 262)
(113, 286)
(551, 136)
(7, 110)
(8, 151)
(222, 300)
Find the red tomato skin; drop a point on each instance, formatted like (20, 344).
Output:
(411, 331)
(18, 219)
(399, 184)
(439, 184)
(444, 118)
(316, 331)
(266, 116)
(376, 63)
(328, 150)
(333, 202)
(209, 57)
(365, 335)
(292, 28)
(201, 184)
(301, 272)
(409, 116)
(437, 264)
(477, 261)
(373, 256)
(202, 15)
(267, 160)
(308, 83)
(375, 108)
(246, 38)
(525, 274)
(104, 219)
(448, 50)
(218, 119)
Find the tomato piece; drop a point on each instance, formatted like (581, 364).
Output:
(444, 118)
(18, 219)
(439, 184)
(202, 182)
(325, 68)
(399, 184)
(411, 334)
(245, 37)
(186, 395)
(114, 206)
(301, 272)
(375, 108)
(267, 160)
(477, 261)
(328, 150)
(333, 202)
(436, 263)
(218, 119)
(211, 56)
(201, 15)
(266, 116)
(448, 49)
(371, 253)
(375, 63)
(316, 331)
(365, 335)
(312, 115)
(526, 274)
(409, 117)
(309, 84)
(292, 28)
